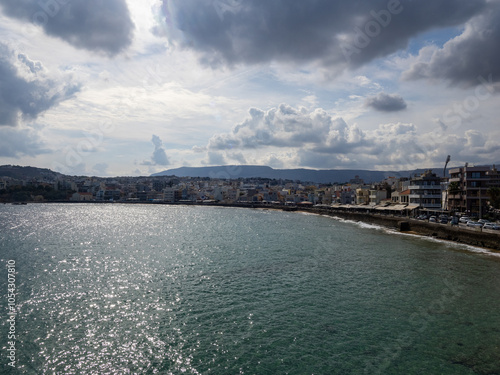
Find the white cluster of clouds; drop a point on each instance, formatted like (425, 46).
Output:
(318, 139)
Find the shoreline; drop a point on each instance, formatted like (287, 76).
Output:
(409, 233)
(410, 226)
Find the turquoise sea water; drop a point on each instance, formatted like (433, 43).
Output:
(153, 289)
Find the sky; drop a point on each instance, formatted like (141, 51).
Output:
(135, 87)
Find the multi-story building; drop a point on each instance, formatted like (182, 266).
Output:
(327, 197)
(403, 184)
(401, 197)
(159, 185)
(233, 194)
(363, 196)
(357, 181)
(471, 196)
(108, 195)
(172, 195)
(219, 193)
(377, 196)
(425, 191)
(347, 196)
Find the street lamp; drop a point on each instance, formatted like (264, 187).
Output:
(444, 176)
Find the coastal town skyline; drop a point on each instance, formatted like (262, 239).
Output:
(473, 190)
(136, 88)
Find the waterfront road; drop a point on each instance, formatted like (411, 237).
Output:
(472, 229)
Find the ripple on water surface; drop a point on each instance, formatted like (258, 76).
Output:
(117, 289)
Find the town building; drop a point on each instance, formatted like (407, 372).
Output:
(425, 191)
(401, 197)
(469, 192)
(362, 196)
(347, 196)
(108, 195)
(172, 195)
(376, 196)
(357, 181)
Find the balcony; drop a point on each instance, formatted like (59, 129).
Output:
(428, 187)
(483, 178)
(425, 196)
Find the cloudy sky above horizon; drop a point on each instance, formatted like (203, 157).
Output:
(134, 87)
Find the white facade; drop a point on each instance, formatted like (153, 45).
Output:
(425, 191)
(376, 196)
(169, 195)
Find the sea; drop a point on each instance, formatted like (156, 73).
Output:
(163, 289)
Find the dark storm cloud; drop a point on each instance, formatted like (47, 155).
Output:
(23, 98)
(95, 25)
(471, 59)
(338, 34)
(386, 102)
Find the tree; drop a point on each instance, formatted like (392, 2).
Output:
(494, 194)
(454, 188)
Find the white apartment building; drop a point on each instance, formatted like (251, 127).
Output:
(425, 191)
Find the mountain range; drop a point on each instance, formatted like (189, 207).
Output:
(241, 171)
(310, 175)
(26, 173)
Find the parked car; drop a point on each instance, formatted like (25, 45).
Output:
(454, 220)
(443, 220)
(483, 221)
(432, 219)
(422, 217)
(491, 226)
(474, 224)
(464, 219)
